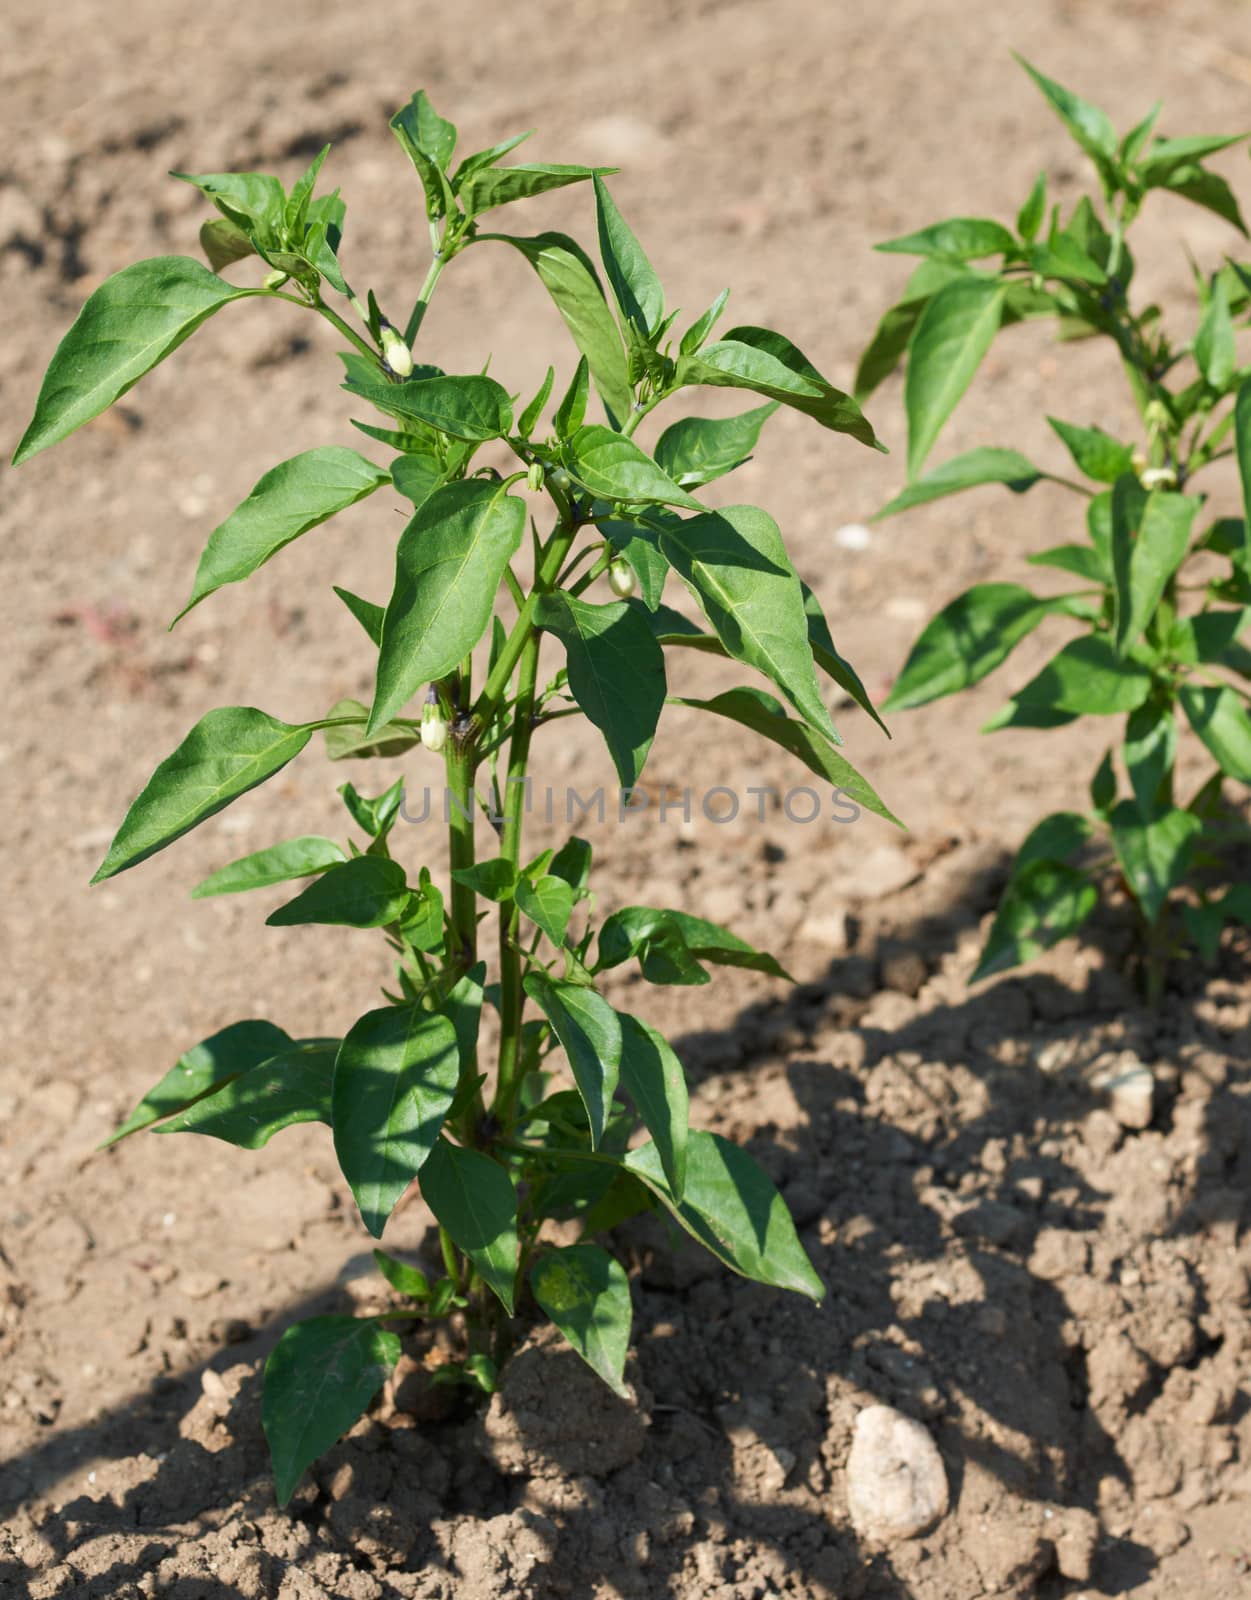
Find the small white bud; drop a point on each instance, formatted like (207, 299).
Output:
(398, 356)
(433, 728)
(1158, 478)
(534, 477)
(275, 279)
(621, 578)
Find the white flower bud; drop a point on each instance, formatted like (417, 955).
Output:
(275, 279)
(621, 578)
(1158, 478)
(534, 477)
(398, 356)
(433, 728)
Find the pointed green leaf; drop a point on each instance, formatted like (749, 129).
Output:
(224, 243)
(291, 498)
(474, 1199)
(733, 1210)
(1079, 559)
(548, 902)
(1029, 218)
(1206, 189)
(635, 286)
(488, 157)
(296, 858)
(1044, 902)
(367, 614)
(463, 1008)
(1089, 125)
(1150, 751)
(587, 1295)
(1242, 447)
(954, 332)
(1166, 155)
(696, 450)
(966, 640)
(319, 1378)
(203, 1068)
(1087, 677)
(474, 407)
(448, 566)
(129, 324)
(957, 239)
(254, 201)
(292, 1086)
(228, 752)
(1154, 852)
(693, 339)
(831, 662)
(429, 141)
(366, 892)
(735, 564)
(497, 186)
(616, 672)
(1150, 533)
(652, 1076)
(350, 741)
(613, 467)
(1216, 354)
(589, 1031)
(405, 1280)
(770, 365)
(571, 412)
(968, 471)
(887, 347)
(1219, 717)
(1094, 452)
(394, 1080)
(416, 477)
(754, 709)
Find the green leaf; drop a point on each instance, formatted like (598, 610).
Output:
(696, 450)
(1029, 218)
(406, 1280)
(463, 1009)
(670, 944)
(1103, 784)
(224, 243)
(448, 566)
(754, 709)
(375, 817)
(366, 613)
(416, 478)
(1090, 126)
(1064, 257)
(1219, 717)
(965, 642)
(474, 408)
(587, 1295)
(1216, 354)
(613, 467)
(428, 140)
(887, 347)
(1044, 902)
(319, 1378)
(734, 1211)
(292, 1086)
(652, 1076)
(1154, 852)
(493, 880)
(1205, 923)
(228, 752)
(1150, 750)
(394, 1080)
(954, 332)
(254, 201)
(129, 324)
(203, 1068)
(1210, 636)
(532, 413)
(1206, 189)
(473, 1197)
(497, 186)
(487, 158)
(1094, 452)
(423, 923)
(1150, 533)
(635, 286)
(735, 564)
(569, 277)
(1166, 155)
(968, 471)
(571, 411)
(367, 892)
(296, 858)
(957, 239)
(589, 1031)
(1087, 677)
(768, 364)
(350, 741)
(831, 662)
(1079, 559)
(289, 500)
(572, 862)
(694, 337)
(616, 672)
(1242, 446)
(548, 902)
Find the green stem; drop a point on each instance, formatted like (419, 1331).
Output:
(512, 997)
(349, 333)
(413, 326)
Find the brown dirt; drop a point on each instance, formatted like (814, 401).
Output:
(1061, 1301)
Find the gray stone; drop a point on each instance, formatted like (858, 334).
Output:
(896, 1481)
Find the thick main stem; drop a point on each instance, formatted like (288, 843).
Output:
(512, 998)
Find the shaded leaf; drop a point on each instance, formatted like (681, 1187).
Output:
(587, 1295)
(589, 1031)
(474, 1199)
(290, 1087)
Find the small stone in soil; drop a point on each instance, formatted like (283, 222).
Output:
(896, 1481)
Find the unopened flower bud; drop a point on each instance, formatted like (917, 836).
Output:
(276, 278)
(1138, 460)
(397, 354)
(1158, 478)
(433, 727)
(534, 477)
(621, 578)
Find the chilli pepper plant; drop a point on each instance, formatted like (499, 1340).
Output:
(568, 555)
(1162, 588)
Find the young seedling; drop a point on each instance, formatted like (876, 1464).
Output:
(498, 1151)
(1159, 630)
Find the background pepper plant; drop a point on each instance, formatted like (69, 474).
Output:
(1162, 592)
(497, 1153)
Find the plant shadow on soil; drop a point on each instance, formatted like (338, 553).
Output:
(992, 1242)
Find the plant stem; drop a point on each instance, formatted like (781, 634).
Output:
(512, 998)
(413, 326)
(349, 333)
